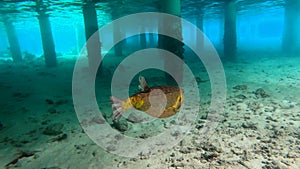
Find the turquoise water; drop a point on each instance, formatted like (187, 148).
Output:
(241, 103)
(258, 26)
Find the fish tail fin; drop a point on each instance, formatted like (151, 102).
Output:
(117, 107)
(143, 84)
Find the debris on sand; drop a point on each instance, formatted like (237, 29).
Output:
(53, 129)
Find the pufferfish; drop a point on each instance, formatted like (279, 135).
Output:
(157, 101)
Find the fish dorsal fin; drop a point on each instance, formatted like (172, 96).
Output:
(143, 84)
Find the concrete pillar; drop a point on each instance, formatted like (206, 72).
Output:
(92, 36)
(143, 40)
(291, 29)
(80, 39)
(199, 24)
(152, 40)
(117, 34)
(230, 42)
(13, 41)
(174, 27)
(46, 35)
(118, 47)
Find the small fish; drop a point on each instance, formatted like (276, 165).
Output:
(166, 101)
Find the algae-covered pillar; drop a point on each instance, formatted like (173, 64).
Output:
(117, 34)
(93, 45)
(118, 47)
(46, 35)
(199, 24)
(230, 42)
(13, 41)
(174, 28)
(80, 37)
(151, 40)
(143, 40)
(291, 29)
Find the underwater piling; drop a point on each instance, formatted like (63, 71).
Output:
(93, 45)
(118, 47)
(173, 27)
(13, 41)
(46, 35)
(230, 37)
(199, 24)
(151, 40)
(143, 39)
(79, 37)
(291, 26)
(47, 41)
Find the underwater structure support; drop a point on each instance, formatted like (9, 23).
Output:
(173, 27)
(92, 35)
(13, 41)
(46, 35)
(199, 24)
(118, 47)
(291, 27)
(118, 34)
(47, 40)
(230, 37)
(151, 40)
(143, 39)
(79, 37)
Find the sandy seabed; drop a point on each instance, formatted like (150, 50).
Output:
(260, 126)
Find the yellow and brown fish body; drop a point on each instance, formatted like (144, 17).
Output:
(158, 101)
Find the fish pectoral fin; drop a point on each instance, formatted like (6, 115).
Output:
(143, 84)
